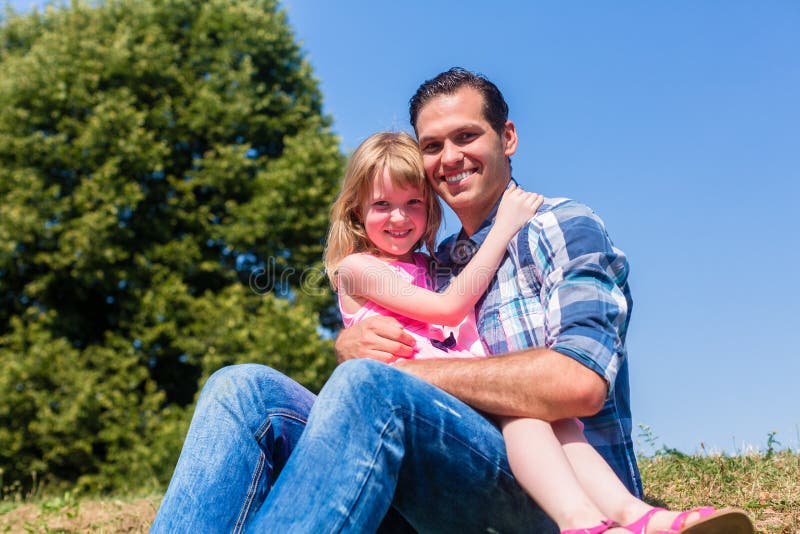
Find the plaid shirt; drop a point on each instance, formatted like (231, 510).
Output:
(562, 285)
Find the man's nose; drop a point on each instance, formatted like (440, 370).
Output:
(451, 154)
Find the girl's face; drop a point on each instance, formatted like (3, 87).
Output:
(394, 218)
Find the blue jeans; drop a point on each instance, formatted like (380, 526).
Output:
(376, 438)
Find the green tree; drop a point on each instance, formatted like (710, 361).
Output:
(165, 176)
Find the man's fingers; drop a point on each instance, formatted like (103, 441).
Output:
(403, 344)
(402, 350)
(389, 328)
(381, 356)
(382, 325)
(394, 341)
(378, 337)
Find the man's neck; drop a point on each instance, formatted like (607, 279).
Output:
(471, 224)
(473, 217)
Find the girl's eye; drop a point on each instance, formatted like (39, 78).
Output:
(380, 204)
(415, 201)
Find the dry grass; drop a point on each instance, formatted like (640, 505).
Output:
(766, 486)
(65, 514)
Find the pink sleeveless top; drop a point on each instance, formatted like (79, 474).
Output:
(433, 341)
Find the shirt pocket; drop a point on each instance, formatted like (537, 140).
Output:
(522, 322)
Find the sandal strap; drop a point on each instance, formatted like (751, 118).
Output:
(640, 525)
(680, 520)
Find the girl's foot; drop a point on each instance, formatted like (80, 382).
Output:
(703, 520)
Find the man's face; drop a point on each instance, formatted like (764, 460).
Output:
(466, 161)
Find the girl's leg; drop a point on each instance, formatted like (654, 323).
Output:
(601, 484)
(595, 476)
(540, 465)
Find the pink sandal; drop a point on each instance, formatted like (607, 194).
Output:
(711, 521)
(604, 525)
(640, 525)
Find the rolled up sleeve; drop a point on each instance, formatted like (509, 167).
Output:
(584, 290)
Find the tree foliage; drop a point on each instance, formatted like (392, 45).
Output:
(165, 176)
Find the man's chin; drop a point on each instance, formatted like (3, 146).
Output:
(461, 200)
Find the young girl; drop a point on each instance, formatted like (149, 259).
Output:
(385, 212)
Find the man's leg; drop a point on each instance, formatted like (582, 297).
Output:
(247, 421)
(374, 430)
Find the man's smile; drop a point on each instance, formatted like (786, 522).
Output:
(458, 177)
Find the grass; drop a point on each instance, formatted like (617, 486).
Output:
(68, 514)
(765, 485)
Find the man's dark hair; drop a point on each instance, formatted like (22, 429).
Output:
(495, 109)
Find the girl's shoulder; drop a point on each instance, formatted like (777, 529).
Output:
(364, 263)
(358, 261)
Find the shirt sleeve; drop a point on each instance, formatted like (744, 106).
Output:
(584, 289)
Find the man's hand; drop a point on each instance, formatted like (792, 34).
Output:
(379, 338)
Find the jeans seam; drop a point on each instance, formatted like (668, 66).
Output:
(264, 428)
(252, 490)
(430, 424)
(251, 493)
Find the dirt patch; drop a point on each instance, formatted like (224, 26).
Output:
(109, 516)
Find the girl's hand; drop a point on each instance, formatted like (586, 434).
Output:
(516, 209)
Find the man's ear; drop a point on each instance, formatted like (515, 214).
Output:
(509, 138)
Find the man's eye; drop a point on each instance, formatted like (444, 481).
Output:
(466, 136)
(431, 148)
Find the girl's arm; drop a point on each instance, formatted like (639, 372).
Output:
(368, 277)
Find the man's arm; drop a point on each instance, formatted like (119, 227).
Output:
(538, 383)
(565, 388)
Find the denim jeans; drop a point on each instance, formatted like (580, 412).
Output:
(375, 438)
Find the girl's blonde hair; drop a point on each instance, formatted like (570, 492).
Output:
(398, 153)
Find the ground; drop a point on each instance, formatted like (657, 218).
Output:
(101, 516)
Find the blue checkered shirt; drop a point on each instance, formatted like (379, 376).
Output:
(562, 285)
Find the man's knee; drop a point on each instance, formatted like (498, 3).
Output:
(236, 377)
(366, 385)
(358, 374)
(256, 386)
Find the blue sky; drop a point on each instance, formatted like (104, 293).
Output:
(677, 122)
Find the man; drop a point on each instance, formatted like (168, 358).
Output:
(412, 439)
